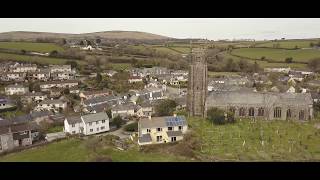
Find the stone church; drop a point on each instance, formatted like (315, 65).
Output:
(260, 105)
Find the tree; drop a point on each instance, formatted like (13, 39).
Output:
(54, 53)
(98, 78)
(73, 64)
(256, 67)
(216, 116)
(23, 51)
(98, 41)
(289, 60)
(133, 127)
(314, 64)
(263, 58)
(117, 121)
(165, 107)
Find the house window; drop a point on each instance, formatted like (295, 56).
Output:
(97, 122)
(102, 127)
(73, 125)
(97, 129)
(251, 111)
(288, 113)
(180, 128)
(103, 121)
(170, 128)
(148, 130)
(159, 129)
(90, 124)
(173, 139)
(242, 111)
(261, 112)
(277, 112)
(91, 130)
(159, 138)
(73, 132)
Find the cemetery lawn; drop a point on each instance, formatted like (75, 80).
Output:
(259, 141)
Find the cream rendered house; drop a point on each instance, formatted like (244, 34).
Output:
(158, 130)
(16, 89)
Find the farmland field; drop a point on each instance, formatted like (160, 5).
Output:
(120, 66)
(29, 46)
(35, 59)
(265, 64)
(278, 55)
(289, 44)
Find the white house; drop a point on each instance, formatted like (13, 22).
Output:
(55, 105)
(95, 123)
(23, 68)
(46, 86)
(73, 125)
(16, 89)
(60, 68)
(134, 79)
(34, 97)
(161, 129)
(291, 90)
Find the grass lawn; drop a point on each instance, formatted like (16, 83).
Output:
(74, 150)
(259, 141)
(278, 55)
(55, 129)
(29, 46)
(289, 44)
(35, 59)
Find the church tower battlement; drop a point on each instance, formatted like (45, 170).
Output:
(197, 83)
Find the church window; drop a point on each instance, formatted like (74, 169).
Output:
(301, 115)
(288, 113)
(277, 112)
(242, 111)
(261, 112)
(251, 111)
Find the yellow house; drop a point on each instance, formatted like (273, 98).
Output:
(158, 130)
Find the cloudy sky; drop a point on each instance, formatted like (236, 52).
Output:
(211, 28)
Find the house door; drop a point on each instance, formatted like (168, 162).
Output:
(173, 139)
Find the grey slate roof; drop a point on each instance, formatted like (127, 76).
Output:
(73, 119)
(166, 121)
(95, 117)
(174, 133)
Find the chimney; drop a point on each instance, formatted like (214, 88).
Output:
(149, 117)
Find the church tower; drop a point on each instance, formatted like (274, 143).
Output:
(197, 83)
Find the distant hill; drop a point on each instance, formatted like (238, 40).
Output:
(134, 35)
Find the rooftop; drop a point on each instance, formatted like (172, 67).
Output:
(95, 117)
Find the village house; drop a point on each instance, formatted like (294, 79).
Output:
(123, 110)
(65, 75)
(55, 105)
(33, 97)
(16, 89)
(46, 86)
(155, 130)
(60, 68)
(16, 135)
(94, 94)
(110, 100)
(278, 70)
(39, 75)
(145, 109)
(88, 124)
(23, 68)
(151, 93)
(135, 79)
(34, 116)
(13, 76)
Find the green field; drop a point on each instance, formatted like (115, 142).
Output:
(257, 141)
(35, 59)
(278, 55)
(265, 64)
(120, 66)
(29, 46)
(215, 74)
(75, 150)
(290, 44)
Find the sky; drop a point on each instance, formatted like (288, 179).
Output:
(210, 28)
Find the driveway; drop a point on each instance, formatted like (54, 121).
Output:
(119, 132)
